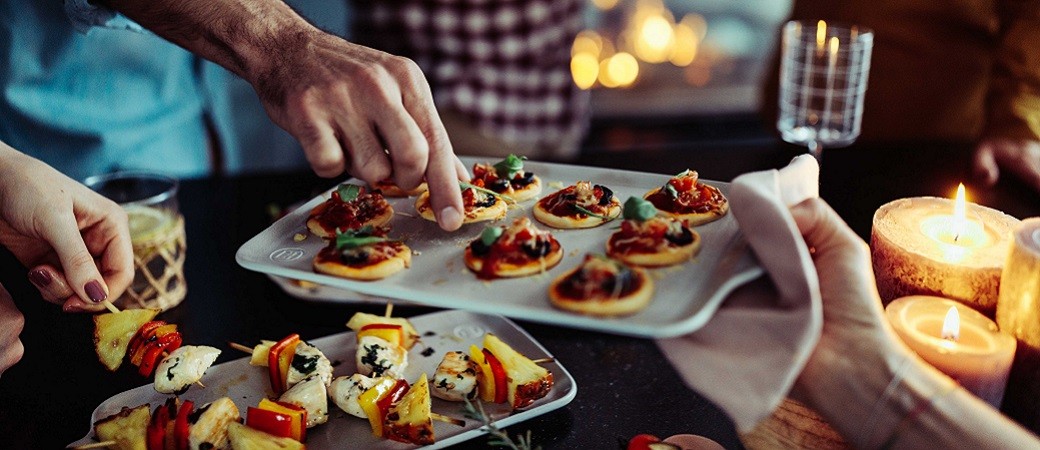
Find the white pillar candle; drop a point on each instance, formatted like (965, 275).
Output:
(974, 354)
(1018, 310)
(919, 246)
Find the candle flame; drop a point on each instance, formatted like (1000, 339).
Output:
(951, 329)
(833, 46)
(821, 34)
(959, 218)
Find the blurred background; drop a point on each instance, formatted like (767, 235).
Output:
(662, 74)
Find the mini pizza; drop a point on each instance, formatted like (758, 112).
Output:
(479, 204)
(351, 207)
(517, 250)
(507, 177)
(390, 189)
(581, 205)
(648, 240)
(365, 254)
(602, 286)
(685, 198)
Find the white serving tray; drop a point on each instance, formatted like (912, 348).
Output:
(686, 295)
(452, 330)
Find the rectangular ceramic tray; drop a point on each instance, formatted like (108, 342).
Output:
(686, 295)
(441, 331)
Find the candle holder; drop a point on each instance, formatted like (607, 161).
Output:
(1018, 310)
(916, 249)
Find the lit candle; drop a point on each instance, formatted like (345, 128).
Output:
(1018, 310)
(957, 340)
(935, 246)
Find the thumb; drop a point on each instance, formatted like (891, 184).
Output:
(984, 164)
(77, 263)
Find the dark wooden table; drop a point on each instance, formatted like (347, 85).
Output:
(625, 387)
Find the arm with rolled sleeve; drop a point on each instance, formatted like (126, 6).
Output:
(84, 15)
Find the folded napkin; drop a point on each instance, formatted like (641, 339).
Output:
(747, 357)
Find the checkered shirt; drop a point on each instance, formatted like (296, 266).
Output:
(504, 64)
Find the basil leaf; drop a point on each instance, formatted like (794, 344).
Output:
(670, 190)
(584, 210)
(464, 185)
(357, 238)
(348, 192)
(507, 168)
(639, 209)
(490, 235)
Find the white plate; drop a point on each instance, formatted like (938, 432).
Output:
(686, 295)
(325, 293)
(454, 330)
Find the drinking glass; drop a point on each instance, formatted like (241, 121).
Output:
(823, 76)
(156, 233)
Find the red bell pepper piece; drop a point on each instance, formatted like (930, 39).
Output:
(156, 431)
(642, 442)
(140, 339)
(499, 372)
(273, 366)
(392, 396)
(180, 426)
(155, 350)
(269, 421)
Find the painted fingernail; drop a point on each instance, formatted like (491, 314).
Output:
(94, 291)
(41, 278)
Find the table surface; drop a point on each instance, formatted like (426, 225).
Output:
(625, 387)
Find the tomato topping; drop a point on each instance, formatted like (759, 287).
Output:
(180, 426)
(499, 373)
(278, 361)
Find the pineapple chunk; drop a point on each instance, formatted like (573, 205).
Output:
(410, 419)
(113, 331)
(126, 428)
(211, 429)
(527, 381)
(360, 319)
(260, 352)
(246, 438)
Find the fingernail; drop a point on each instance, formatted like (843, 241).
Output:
(450, 215)
(94, 291)
(41, 278)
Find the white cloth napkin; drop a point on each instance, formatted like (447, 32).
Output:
(748, 356)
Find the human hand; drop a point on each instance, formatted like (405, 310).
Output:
(1020, 157)
(75, 242)
(11, 323)
(855, 336)
(339, 99)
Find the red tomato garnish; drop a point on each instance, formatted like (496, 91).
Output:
(642, 442)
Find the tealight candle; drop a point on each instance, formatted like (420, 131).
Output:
(1018, 310)
(935, 246)
(957, 340)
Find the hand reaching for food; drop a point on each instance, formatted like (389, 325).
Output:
(75, 242)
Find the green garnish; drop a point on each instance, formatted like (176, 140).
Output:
(509, 167)
(348, 192)
(639, 209)
(585, 211)
(464, 185)
(670, 190)
(349, 239)
(490, 235)
(498, 438)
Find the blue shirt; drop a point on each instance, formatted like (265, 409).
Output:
(104, 100)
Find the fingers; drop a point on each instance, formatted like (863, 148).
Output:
(11, 324)
(320, 144)
(51, 284)
(408, 148)
(63, 234)
(368, 161)
(984, 165)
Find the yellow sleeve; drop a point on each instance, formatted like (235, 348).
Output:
(1014, 95)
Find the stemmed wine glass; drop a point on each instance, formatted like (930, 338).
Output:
(823, 76)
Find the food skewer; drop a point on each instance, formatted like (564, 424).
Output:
(447, 419)
(103, 444)
(110, 306)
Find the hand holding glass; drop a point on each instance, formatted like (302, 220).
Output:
(823, 77)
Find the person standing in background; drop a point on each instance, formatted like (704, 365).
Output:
(959, 72)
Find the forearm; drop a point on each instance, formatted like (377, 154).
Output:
(248, 37)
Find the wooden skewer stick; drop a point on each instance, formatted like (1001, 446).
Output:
(240, 347)
(199, 382)
(446, 419)
(101, 444)
(389, 309)
(543, 360)
(110, 306)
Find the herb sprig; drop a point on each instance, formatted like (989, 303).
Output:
(498, 437)
(348, 192)
(639, 209)
(510, 166)
(464, 185)
(586, 211)
(361, 237)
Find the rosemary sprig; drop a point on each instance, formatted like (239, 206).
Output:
(584, 210)
(498, 437)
